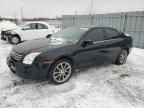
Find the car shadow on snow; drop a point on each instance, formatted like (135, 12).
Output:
(91, 66)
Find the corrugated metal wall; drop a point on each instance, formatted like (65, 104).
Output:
(130, 22)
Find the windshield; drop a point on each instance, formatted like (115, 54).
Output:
(21, 25)
(70, 34)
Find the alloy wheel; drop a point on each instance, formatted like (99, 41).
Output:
(123, 57)
(62, 72)
(15, 40)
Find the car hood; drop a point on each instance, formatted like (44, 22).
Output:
(39, 45)
(11, 28)
(6, 30)
(16, 30)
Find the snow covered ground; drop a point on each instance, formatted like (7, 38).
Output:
(105, 86)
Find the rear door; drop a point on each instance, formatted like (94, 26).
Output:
(42, 30)
(113, 42)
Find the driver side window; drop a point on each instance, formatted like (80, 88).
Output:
(30, 27)
(95, 35)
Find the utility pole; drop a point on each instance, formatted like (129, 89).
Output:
(76, 12)
(91, 7)
(21, 13)
(15, 18)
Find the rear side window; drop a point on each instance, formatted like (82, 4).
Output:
(111, 33)
(95, 35)
(42, 26)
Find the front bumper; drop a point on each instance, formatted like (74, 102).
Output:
(34, 71)
(5, 36)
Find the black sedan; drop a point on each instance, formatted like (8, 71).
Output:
(59, 55)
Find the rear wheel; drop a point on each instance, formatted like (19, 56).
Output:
(14, 40)
(49, 35)
(61, 71)
(122, 57)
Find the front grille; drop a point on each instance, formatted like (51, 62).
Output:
(15, 56)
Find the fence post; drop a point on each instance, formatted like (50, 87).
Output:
(91, 19)
(73, 18)
(124, 22)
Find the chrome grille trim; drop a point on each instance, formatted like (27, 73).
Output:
(15, 56)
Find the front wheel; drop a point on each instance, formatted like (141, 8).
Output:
(14, 40)
(122, 57)
(61, 71)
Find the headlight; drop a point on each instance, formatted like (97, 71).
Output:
(11, 32)
(28, 59)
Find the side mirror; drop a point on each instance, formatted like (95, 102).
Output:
(86, 42)
(25, 29)
(49, 35)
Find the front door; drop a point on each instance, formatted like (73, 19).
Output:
(91, 53)
(29, 32)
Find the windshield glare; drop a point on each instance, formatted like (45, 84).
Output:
(70, 34)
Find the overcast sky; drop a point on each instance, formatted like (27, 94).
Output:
(53, 8)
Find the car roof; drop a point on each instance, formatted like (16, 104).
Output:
(91, 27)
(29, 22)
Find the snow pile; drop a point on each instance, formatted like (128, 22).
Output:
(105, 86)
(6, 25)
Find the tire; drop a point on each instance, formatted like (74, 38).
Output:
(14, 72)
(61, 71)
(49, 35)
(15, 40)
(122, 57)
